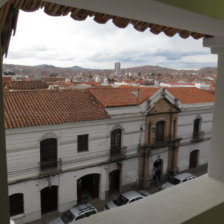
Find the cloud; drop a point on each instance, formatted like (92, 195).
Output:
(62, 41)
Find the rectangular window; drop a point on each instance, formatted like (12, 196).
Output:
(82, 143)
(48, 154)
(116, 139)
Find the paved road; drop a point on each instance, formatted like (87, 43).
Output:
(99, 204)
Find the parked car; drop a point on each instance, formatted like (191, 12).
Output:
(75, 213)
(126, 198)
(182, 177)
(144, 193)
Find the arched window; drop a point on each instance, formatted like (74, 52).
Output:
(48, 154)
(160, 129)
(196, 130)
(16, 204)
(116, 139)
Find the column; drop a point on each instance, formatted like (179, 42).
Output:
(216, 153)
(146, 183)
(141, 166)
(4, 208)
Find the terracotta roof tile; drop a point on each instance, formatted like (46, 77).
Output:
(47, 107)
(125, 96)
(23, 85)
(191, 95)
(92, 83)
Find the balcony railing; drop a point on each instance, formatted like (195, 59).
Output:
(157, 143)
(117, 154)
(198, 136)
(50, 167)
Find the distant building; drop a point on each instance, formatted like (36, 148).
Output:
(105, 82)
(97, 78)
(202, 86)
(117, 68)
(171, 84)
(197, 85)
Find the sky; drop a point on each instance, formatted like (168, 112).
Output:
(64, 42)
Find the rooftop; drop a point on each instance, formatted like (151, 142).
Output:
(127, 96)
(26, 85)
(47, 107)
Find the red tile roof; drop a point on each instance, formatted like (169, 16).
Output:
(118, 97)
(127, 95)
(23, 85)
(92, 83)
(191, 95)
(47, 107)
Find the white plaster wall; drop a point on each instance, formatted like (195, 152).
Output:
(31, 198)
(23, 147)
(184, 154)
(186, 123)
(129, 171)
(131, 134)
(185, 131)
(67, 191)
(23, 155)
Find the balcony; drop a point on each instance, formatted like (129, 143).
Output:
(200, 200)
(198, 136)
(158, 143)
(50, 168)
(117, 154)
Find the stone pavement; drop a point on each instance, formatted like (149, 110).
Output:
(99, 204)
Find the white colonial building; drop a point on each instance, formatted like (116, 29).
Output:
(69, 146)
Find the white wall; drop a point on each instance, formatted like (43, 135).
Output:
(67, 191)
(130, 171)
(23, 147)
(184, 154)
(185, 131)
(23, 155)
(186, 123)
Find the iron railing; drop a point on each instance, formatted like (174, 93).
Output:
(160, 142)
(198, 136)
(118, 153)
(50, 167)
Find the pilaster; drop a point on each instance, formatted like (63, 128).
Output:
(4, 209)
(216, 152)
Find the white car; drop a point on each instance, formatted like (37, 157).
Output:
(75, 213)
(179, 178)
(126, 198)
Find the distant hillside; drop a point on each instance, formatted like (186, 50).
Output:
(45, 66)
(77, 68)
(150, 69)
(208, 70)
(45, 70)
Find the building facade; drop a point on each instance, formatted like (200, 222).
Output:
(97, 142)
